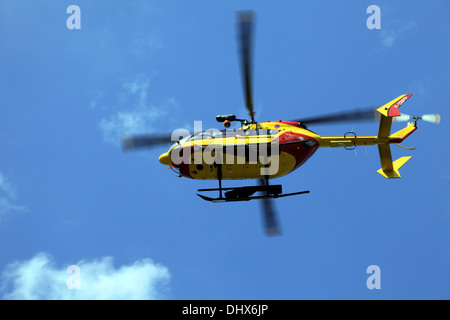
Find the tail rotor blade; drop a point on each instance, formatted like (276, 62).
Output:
(402, 117)
(433, 118)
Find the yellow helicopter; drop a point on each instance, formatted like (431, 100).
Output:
(267, 150)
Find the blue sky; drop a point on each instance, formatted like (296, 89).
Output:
(69, 196)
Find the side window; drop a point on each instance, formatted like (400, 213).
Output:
(252, 132)
(274, 132)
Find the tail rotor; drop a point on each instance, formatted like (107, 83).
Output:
(432, 118)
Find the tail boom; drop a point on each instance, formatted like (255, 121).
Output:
(389, 169)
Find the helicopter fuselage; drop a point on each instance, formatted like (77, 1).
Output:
(265, 150)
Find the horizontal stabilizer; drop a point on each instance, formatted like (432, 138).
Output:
(402, 134)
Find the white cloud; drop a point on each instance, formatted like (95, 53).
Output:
(392, 30)
(144, 45)
(6, 187)
(39, 279)
(137, 115)
(8, 197)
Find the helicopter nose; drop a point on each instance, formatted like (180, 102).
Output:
(165, 159)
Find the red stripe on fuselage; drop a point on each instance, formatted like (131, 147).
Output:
(300, 146)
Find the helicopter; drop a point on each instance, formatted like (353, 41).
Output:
(271, 149)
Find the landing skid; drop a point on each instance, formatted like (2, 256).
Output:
(246, 193)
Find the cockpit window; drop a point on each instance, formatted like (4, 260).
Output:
(218, 134)
(209, 134)
(260, 132)
(199, 136)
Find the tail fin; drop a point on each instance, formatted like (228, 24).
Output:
(388, 111)
(389, 169)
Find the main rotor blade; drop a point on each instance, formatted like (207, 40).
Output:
(271, 225)
(145, 141)
(245, 26)
(353, 115)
